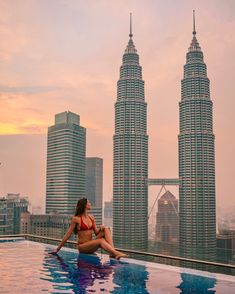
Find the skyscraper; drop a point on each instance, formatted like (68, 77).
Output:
(11, 208)
(167, 224)
(108, 214)
(130, 170)
(196, 159)
(20, 205)
(94, 181)
(6, 216)
(94, 186)
(66, 155)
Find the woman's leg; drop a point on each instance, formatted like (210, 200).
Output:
(113, 252)
(106, 234)
(93, 245)
(89, 246)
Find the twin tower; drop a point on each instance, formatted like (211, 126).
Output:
(66, 159)
(196, 158)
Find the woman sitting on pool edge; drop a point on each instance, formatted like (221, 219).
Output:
(82, 224)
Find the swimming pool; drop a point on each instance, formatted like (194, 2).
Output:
(26, 267)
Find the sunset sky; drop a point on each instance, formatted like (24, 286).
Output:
(62, 55)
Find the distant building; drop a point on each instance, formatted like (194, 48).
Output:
(6, 217)
(47, 225)
(167, 219)
(25, 223)
(11, 208)
(20, 205)
(108, 213)
(167, 223)
(225, 242)
(66, 152)
(94, 184)
(225, 245)
(94, 180)
(52, 225)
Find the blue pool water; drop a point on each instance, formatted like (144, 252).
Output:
(26, 267)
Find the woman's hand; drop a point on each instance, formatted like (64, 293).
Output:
(102, 227)
(54, 252)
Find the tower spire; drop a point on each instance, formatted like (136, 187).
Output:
(194, 46)
(130, 35)
(194, 29)
(130, 46)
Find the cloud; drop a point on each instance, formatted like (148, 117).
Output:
(31, 111)
(27, 89)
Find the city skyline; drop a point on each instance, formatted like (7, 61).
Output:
(30, 101)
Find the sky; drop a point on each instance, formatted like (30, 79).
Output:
(63, 55)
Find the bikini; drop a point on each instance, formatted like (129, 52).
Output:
(84, 227)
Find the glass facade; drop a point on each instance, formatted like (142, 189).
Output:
(167, 224)
(66, 153)
(130, 169)
(6, 217)
(196, 160)
(11, 208)
(94, 181)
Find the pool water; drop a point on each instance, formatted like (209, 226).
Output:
(26, 267)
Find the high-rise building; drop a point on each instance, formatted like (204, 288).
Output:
(20, 205)
(94, 185)
(66, 154)
(6, 217)
(94, 181)
(225, 247)
(11, 208)
(130, 169)
(196, 159)
(52, 225)
(108, 214)
(167, 219)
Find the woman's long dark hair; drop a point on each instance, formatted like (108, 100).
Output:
(80, 208)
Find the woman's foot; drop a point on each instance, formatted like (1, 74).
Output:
(120, 255)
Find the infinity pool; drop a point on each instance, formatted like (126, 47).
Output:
(26, 267)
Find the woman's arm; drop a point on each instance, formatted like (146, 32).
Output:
(95, 229)
(73, 224)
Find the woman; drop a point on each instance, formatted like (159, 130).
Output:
(83, 224)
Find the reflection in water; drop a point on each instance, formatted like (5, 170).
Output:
(91, 269)
(130, 278)
(69, 273)
(196, 284)
(88, 273)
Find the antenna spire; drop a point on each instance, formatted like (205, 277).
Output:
(194, 29)
(130, 35)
